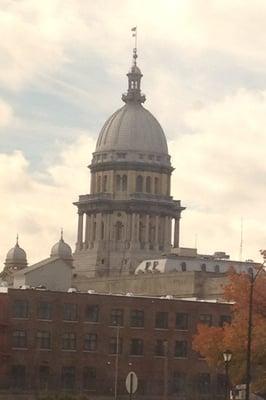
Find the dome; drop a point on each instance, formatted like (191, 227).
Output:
(62, 250)
(16, 255)
(133, 128)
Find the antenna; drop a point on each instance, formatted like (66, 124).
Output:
(241, 240)
(196, 241)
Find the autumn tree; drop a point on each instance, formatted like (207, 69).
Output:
(212, 341)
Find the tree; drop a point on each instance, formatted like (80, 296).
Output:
(212, 341)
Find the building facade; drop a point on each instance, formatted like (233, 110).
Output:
(128, 214)
(80, 342)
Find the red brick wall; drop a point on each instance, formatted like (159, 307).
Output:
(150, 369)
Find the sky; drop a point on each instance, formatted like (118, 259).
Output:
(63, 66)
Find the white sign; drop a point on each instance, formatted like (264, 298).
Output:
(131, 382)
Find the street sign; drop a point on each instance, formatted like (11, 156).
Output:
(131, 382)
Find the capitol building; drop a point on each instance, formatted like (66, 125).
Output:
(128, 230)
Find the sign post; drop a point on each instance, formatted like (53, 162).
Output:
(131, 383)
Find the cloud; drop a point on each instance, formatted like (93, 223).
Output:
(37, 205)
(6, 113)
(220, 172)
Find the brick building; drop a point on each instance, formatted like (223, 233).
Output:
(68, 342)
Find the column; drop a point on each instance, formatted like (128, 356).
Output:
(166, 233)
(132, 241)
(137, 227)
(98, 226)
(80, 230)
(157, 221)
(176, 233)
(92, 228)
(147, 225)
(87, 230)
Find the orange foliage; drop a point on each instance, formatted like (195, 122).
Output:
(212, 341)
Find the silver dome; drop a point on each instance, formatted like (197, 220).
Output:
(16, 255)
(62, 250)
(132, 127)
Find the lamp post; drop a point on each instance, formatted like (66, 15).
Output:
(252, 279)
(227, 355)
(165, 372)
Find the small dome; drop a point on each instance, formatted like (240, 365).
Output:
(16, 255)
(132, 127)
(62, 250)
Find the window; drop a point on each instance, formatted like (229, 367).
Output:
(20, 309)
(89, 378)
(204, 383)
(90, 342)
(18, 376)
(203, 268)
(68, 378)
(137, 318)
(117, 317)
(205, 319)
(161, 320)
(44, 377)
(118, 183)
(161, 347)
(147, 265)
(136, 348)
(69, 341)
(19, 339)
(124, 183)
(70, 312)
(121, 155)
(179, 382)
(148, 184)
(181, 348)
(139, 184)
(92, 313)
(44, 310)
(118, 230)
(225, 319)
(183, 266)
(181, 321)
(99, 184)
(43, 340)
(217, 269)
(156, 185)
(102, 230)
(114, 343)
(221, 384)
(105, 183)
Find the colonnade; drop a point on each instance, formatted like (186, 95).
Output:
(149, 231)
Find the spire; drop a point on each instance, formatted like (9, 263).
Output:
(134, 77)
(17, 240)
(62, 234)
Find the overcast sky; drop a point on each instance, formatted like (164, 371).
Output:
(62, 71)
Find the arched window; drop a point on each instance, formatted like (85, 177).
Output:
(148, 184)
(139, 184)
(156, 185)
(118, 230)
(99, 184)
(124, 183)
(118, 183)
(105, 183)
(102, 230)
(203, 267)
(183, 266)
